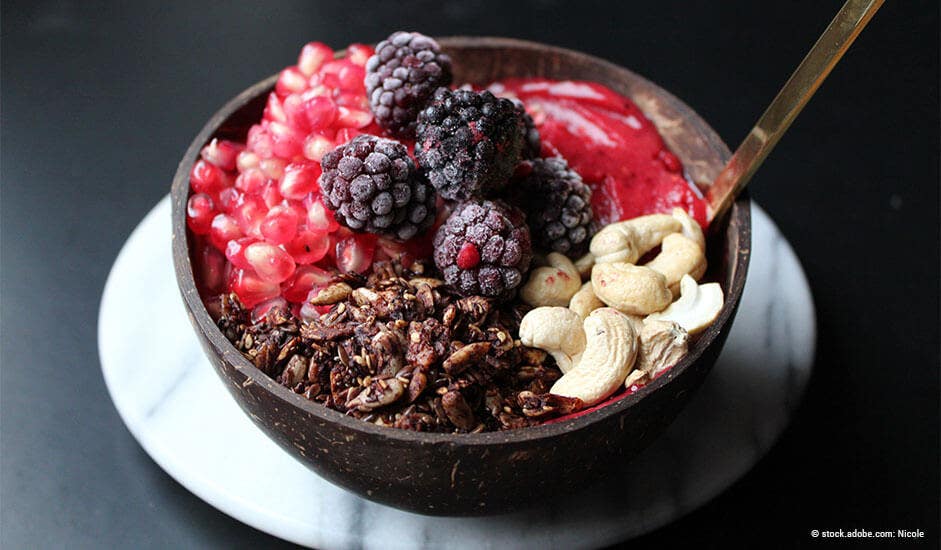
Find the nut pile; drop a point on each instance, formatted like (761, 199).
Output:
(622, 327)
(400, 348)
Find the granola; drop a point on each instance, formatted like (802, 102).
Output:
(400, 348)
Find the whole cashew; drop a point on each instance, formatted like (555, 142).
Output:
(584, 301)
(557, 330)
(610, 351)
(632, 289)
(691, 228)
(627, 241)
(679, 256)
(552, 285)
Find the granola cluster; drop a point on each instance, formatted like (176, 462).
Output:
(401, 348)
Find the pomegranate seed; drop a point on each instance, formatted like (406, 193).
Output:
(299, 180)
(227, 199)
(308, 246)
(320, 112)
(210, 269)
(330, 80)
(222, 153)
(308, 312)
(269, 262)
(298, 208)
(351, 77)
(332, 67)
(286, 142)
(271, 195)
(291, 80)
(295, 113)
(316, 89)
(206, 177)
(468, 257)
(353, 118)
(279, 225)
(199, 213)
(259, 141)
(387, 249)
(274, 110)
(250, 288)
(351, 100)
(273, 168)
(249, 215)
(245, 160)
(358, 54)
(321, 219)
(306, 279)
(312, 56)
(316, 146)
(235, 252)
(262, 309)
(251, 181)
(224, 229)
(354, 254)
(346, 134)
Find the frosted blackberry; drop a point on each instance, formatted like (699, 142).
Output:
(372, 186)
(557, 204)
(401, 77)
(483, 248)
(468, 143)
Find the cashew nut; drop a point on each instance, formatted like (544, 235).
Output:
(610, 351)
(697, 308)
(662, 345)
(691, 227)
(584, 265)
(557, 330)
(553, 285)
(629, 240)
(584, 301)
(679, 256)
(629, 288)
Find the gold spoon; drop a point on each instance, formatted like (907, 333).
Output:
(796, 92)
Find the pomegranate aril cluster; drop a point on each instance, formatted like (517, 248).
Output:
(262, 229)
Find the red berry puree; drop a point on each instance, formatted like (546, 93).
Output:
(611, 144)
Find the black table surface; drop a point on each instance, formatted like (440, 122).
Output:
(99, 101)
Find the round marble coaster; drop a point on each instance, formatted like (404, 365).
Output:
(179, 411)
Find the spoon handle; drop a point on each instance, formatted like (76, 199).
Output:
(796, 92)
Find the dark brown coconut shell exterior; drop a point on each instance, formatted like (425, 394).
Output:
(486, 473)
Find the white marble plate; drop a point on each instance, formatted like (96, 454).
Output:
(179, 411)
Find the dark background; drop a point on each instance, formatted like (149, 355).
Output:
(100, 101)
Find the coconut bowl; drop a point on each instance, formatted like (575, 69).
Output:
(494, 472)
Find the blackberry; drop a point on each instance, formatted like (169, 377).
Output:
(532, 144)
(468, 143)
(401, 76)
(372, 186)
(557, 204)
(483, 248)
